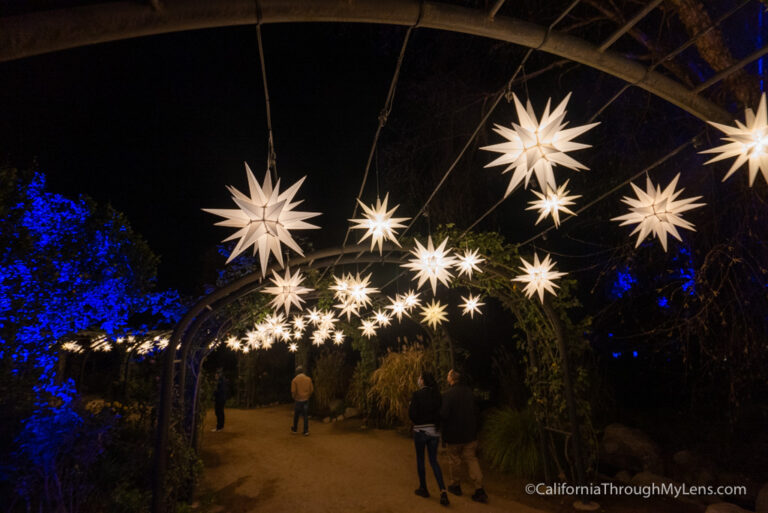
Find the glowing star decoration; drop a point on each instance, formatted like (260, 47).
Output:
(434, 314)
(537, 146)
(341, 287)
(287, 290)
(398, 307)
(747, 141)
(379, 223)
(468, 263)
(101, 344)
(254, 339)
(297, 335)
(72, 347)
(382, 318)
(471, 305)
(552, 203)
(265, 219)
(360, 290)
(266, 343)
(368, 327)
(327, 321)
(298, 323)
(232, 343)
(538, 276)
(293, 347)
(313, 316)
(338, 337)
(411, 300)
(432, 264)
(658, 211)
(319, 336)
(348, 308)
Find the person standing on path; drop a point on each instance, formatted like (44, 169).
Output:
(460, 435)
(301, 391)
(424, 412)
(220, 396)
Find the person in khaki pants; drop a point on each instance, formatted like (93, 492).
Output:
(460, 436)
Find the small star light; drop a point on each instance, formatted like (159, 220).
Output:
(327, 321)
(254, 339)
(348, 308)
(341, 287)
(320, 336)
(434, 314)
(101, 344)
(538, 276)
(411, 299)
(266, 343)
(368, 327)
(379, 223)
(232, 343)
(471, 305)
(338, 337)
(748, 142)
(382, 318)
(72, 347)
(287, 290)
(297, 335)
(537, 146)
(359, 290)
(264, 219)
(432, 264)
(298, 323)
(552, 203)
(293, 347)
(658, 212)
(314, 316)
(468, 262)
(398, 307)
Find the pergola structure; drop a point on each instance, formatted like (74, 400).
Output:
(40, 32)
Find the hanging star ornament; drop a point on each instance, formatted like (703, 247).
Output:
(537, 146)
(431, 263)
(538, 276)
(338, 337)
(265, 219)
(368, 327)
(434, 314)
(287, 290)
(379, 223)
(747, 141)
(398, 307)
(552, 203)
(471, 305)
(658, 211)
(468, 263)
(293, 347)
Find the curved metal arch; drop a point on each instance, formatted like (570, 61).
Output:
(48, 31)
(195, 318)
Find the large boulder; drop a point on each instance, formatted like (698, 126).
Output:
(625, 448)
(725, 507)
(761, 503)
(336, 406)
(351, 413)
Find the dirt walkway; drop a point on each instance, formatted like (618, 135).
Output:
(256, 464)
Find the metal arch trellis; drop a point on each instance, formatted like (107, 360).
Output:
(47, 31)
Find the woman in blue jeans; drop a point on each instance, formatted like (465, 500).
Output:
(424, 412)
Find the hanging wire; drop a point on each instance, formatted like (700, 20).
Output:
(271, 155)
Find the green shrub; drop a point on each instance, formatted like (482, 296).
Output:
(510, 441)
(330, 379)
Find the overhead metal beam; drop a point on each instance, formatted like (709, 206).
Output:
(495, 8)
(48, 31)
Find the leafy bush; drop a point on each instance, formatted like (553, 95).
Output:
(394, 382)
(330, 379)
(510, 441)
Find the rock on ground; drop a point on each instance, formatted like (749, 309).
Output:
(626, 448)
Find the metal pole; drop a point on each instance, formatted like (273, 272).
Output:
(628, 25)
(730, 70)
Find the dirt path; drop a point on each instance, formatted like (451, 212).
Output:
(256, 464)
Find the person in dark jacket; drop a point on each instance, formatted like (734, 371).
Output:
(459, 426)
(220, 396)
(424, 412)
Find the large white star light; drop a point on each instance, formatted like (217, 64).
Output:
(434, 314)
(471, 305)
(432, 263)
(468, 262)
(747, 141)
(379, 223)
(552, 203)
(538, 276)
(411, 300)
(287, 290)
(398, 307)
(537, 146)
(264, 219)
(658, 211)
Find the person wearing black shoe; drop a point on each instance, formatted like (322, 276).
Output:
(459, 427)
(301, 391)
(220, 396)
(424, 412)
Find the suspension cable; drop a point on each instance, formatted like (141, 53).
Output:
(271, 155)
